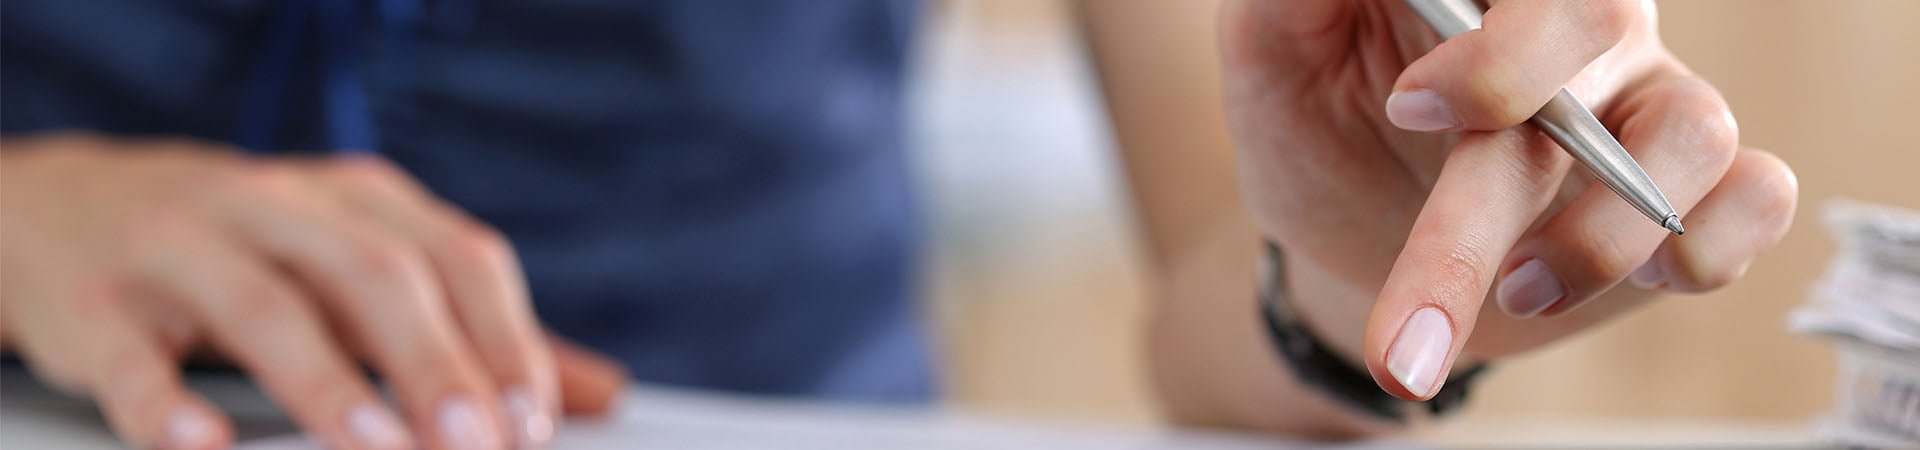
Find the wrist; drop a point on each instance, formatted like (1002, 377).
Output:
(1331, 311)
(1315, 361)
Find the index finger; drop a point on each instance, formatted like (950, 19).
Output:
(1491, 189)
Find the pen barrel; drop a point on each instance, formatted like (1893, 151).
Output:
(1448, 17)
(1568, 122)
(1574, 127)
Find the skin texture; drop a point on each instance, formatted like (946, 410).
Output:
(1379, 221)
(1436, 219)
(122, 257)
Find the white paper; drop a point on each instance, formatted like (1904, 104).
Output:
(1869, 303)
(667, 419)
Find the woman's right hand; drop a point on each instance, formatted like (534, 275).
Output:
(122, 257)
(1392, 165)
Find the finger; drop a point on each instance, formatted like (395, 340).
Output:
(136, 382)
(482, 278)
(1744, 216)
(1681, 132)
(589, 383)
(1492, 187)
(274, 332)
(384, 290)
(1499, 75)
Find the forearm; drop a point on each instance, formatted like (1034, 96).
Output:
(1212, 363)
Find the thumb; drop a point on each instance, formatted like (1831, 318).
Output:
(590, 383)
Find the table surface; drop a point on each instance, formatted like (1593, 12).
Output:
(661, 417)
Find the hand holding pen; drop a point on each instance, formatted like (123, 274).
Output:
(1399, 170)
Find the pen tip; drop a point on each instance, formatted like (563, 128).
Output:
(1673, 223)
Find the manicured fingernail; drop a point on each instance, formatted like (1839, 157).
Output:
(1648, 276)
(463, 426)
(1420, 352)
(532, 425)
(376, 427)
(1529, 289)
(1421, 110)
(189, 428)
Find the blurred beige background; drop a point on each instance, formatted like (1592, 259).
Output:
(1037, 284)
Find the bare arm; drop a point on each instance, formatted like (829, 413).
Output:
(1212, 364)
(1414, 212)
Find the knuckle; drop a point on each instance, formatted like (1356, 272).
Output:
(1457, 268)
(1712, 279)
(266, 177)
(1606, 256)
(1704, 115)
(147, 222)
(1613, 18)
(151, 229)
(1699, 272)
(1718, 131)
(258, 307)
(1779, 207)
(1701, 124)
(1780, 191)
(96, 296)
(378, 256)
(1494, 97)
(479, 243)
(255, 181)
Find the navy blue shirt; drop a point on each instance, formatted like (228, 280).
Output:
(712, 191)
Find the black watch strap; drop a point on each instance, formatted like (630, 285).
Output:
(1314, 363)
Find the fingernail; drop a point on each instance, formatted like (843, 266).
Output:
(532, 425)
(1420, 352)
(464, 426)
(189, 428)
(376, 427)
(1648, 276)
(1530, 289)
(1421, 110)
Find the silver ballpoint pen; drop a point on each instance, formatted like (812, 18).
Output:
(1570, 124)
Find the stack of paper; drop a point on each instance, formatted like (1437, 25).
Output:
(1869, 303)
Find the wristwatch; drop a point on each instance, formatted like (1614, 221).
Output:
(1315, 364)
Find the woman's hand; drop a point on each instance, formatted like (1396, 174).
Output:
(1393, 166)
(123, 257)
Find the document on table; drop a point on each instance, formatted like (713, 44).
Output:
(672, 419)
(647, 417)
